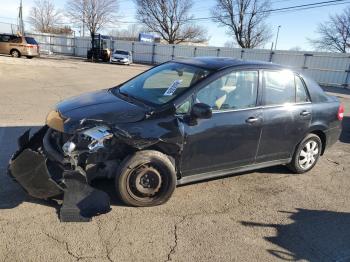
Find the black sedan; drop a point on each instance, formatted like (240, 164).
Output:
(182, 121)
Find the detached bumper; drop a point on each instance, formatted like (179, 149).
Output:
(29, 167)
(30, 171)
(43, 178)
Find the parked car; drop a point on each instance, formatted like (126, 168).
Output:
(121, 57)
(18, 46)
(182, 121)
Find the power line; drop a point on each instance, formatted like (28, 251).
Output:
(324, 3)
(294, 8)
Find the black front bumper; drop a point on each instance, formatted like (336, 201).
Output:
(35, 167)
(28, 166)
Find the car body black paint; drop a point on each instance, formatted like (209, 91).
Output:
(229, 141)
(213, 143)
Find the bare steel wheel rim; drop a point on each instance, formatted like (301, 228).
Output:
(145, 183)
(308, 155)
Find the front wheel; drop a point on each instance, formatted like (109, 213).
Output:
(306, 155)
(146, 178)
(15, 53)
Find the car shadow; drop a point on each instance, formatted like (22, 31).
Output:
(345, 134)
(314, 235)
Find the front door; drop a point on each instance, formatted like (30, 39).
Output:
(230, 137)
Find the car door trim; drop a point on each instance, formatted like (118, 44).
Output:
(219, 173)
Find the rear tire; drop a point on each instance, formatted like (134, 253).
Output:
(306, 154)
(146, 178)
(15, 53)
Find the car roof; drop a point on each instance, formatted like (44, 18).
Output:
(219, 63)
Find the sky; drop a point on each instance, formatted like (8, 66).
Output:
(296, 27)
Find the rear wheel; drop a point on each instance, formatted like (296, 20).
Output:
(146, 178)
(306, 155)
(15, 53)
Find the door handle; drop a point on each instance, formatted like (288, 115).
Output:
(305, 113)
(252, 120)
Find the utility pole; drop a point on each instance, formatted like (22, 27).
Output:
(278, 31)
(20, 20)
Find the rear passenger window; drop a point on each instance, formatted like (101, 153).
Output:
(302, 95)
(279, 87)
(16, 40)
(4, 38)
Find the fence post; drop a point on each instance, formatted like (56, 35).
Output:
(271, 55)
(173, 53)
(74, 45)
(132, 49)
(50, 50)
(346, 84)
(153, 53)
(305, 60)
(242, 53)
(218, 52)
(195, 51)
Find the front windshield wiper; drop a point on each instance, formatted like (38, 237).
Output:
(133, 99)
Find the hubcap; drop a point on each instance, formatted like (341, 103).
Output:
(308, 155)
(15, 53)
(147, 181)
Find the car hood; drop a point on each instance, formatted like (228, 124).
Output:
(98, 106)
(120, 56)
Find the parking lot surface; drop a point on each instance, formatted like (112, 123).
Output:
(267, 215)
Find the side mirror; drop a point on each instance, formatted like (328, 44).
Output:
(201, 111)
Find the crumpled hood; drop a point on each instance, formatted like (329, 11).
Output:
(101, 106)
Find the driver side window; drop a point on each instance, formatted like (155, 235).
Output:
(236, 90)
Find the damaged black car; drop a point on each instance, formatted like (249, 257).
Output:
(179, 122)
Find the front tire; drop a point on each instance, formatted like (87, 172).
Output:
(15, 53)
(146, 178)
(306, 155)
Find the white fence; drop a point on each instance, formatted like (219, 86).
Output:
(329, 69)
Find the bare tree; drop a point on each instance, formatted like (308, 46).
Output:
(245, 20)
(334, 34)
(296, 48)
(44, 17)
(95, 14)
(171, 20)
(131, 32)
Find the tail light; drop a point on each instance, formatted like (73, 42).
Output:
(341, 112)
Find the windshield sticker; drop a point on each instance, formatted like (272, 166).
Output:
(172, 88)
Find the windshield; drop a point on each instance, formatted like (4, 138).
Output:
(31, 41)
(118, 52)
(163, 83)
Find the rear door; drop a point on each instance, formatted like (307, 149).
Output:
(287, 115)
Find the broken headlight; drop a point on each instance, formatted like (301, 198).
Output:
(55, 121)
(93, 139)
